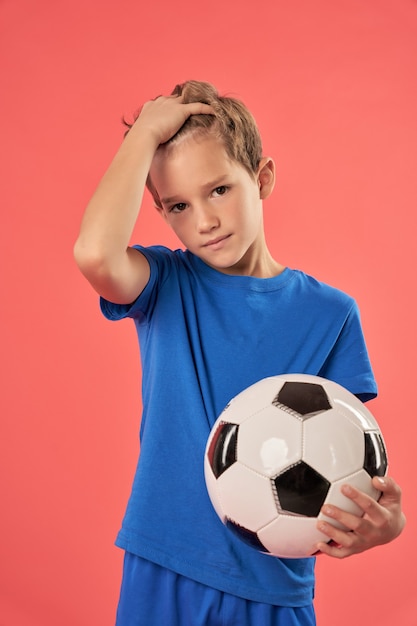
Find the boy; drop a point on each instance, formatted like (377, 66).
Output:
(212, 320)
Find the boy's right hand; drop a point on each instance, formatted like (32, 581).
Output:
(165, 115)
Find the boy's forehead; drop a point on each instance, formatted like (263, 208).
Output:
(201, 157)
(187, 145)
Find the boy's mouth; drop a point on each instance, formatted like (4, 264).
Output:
(216, 243)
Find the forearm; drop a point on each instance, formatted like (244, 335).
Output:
(112, 212)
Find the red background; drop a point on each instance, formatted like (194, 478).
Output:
(332, 84)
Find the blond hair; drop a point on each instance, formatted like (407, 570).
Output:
(232, 123)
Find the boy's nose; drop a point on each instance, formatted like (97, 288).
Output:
(207, 220)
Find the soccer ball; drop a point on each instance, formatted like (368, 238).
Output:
(280, 450)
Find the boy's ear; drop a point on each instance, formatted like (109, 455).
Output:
(266, 177)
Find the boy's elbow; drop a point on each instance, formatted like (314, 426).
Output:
(119, 278)
(82, 255)
(103, 273)
(91, 262)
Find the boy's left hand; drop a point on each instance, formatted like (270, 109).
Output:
(381, 522)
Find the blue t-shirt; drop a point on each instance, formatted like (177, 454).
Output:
(204, 337)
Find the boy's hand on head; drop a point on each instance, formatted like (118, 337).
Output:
(381, 522)
(164, 116)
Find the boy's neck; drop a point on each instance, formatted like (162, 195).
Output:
(264, 267)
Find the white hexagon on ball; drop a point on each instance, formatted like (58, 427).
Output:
(333, 445)
(247, 402)
(291, 537)
(282, 447)
(237, 489)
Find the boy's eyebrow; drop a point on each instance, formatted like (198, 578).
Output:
(170, 200)
(217, 182)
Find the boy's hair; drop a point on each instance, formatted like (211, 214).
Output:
(231, 122)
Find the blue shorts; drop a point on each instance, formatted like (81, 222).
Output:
(151, 595)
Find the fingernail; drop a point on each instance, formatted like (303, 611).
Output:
(347, 490)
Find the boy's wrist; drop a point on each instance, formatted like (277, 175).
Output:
(143, 134)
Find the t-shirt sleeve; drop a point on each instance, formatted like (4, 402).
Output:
(348, 362)
(157, 257)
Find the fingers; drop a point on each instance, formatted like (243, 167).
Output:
(379, 523)
(389, 488)
(366, 508)
(192, 108)
(334, 550)
(199, 108)
(165, 115)
(195, 107)
(346, 532)
(189, 108)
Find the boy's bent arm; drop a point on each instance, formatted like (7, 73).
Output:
(116, 271)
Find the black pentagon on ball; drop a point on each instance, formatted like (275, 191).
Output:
(301, 490)
(222, 449)
(248, 536)
(376, 461)
(303, 398)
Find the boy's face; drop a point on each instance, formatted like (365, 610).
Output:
(213, 204)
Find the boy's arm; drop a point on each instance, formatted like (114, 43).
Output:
(118, 272)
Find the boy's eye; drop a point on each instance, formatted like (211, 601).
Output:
(220, 191)
(177, 208)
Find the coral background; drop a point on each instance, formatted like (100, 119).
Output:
(332, 84)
